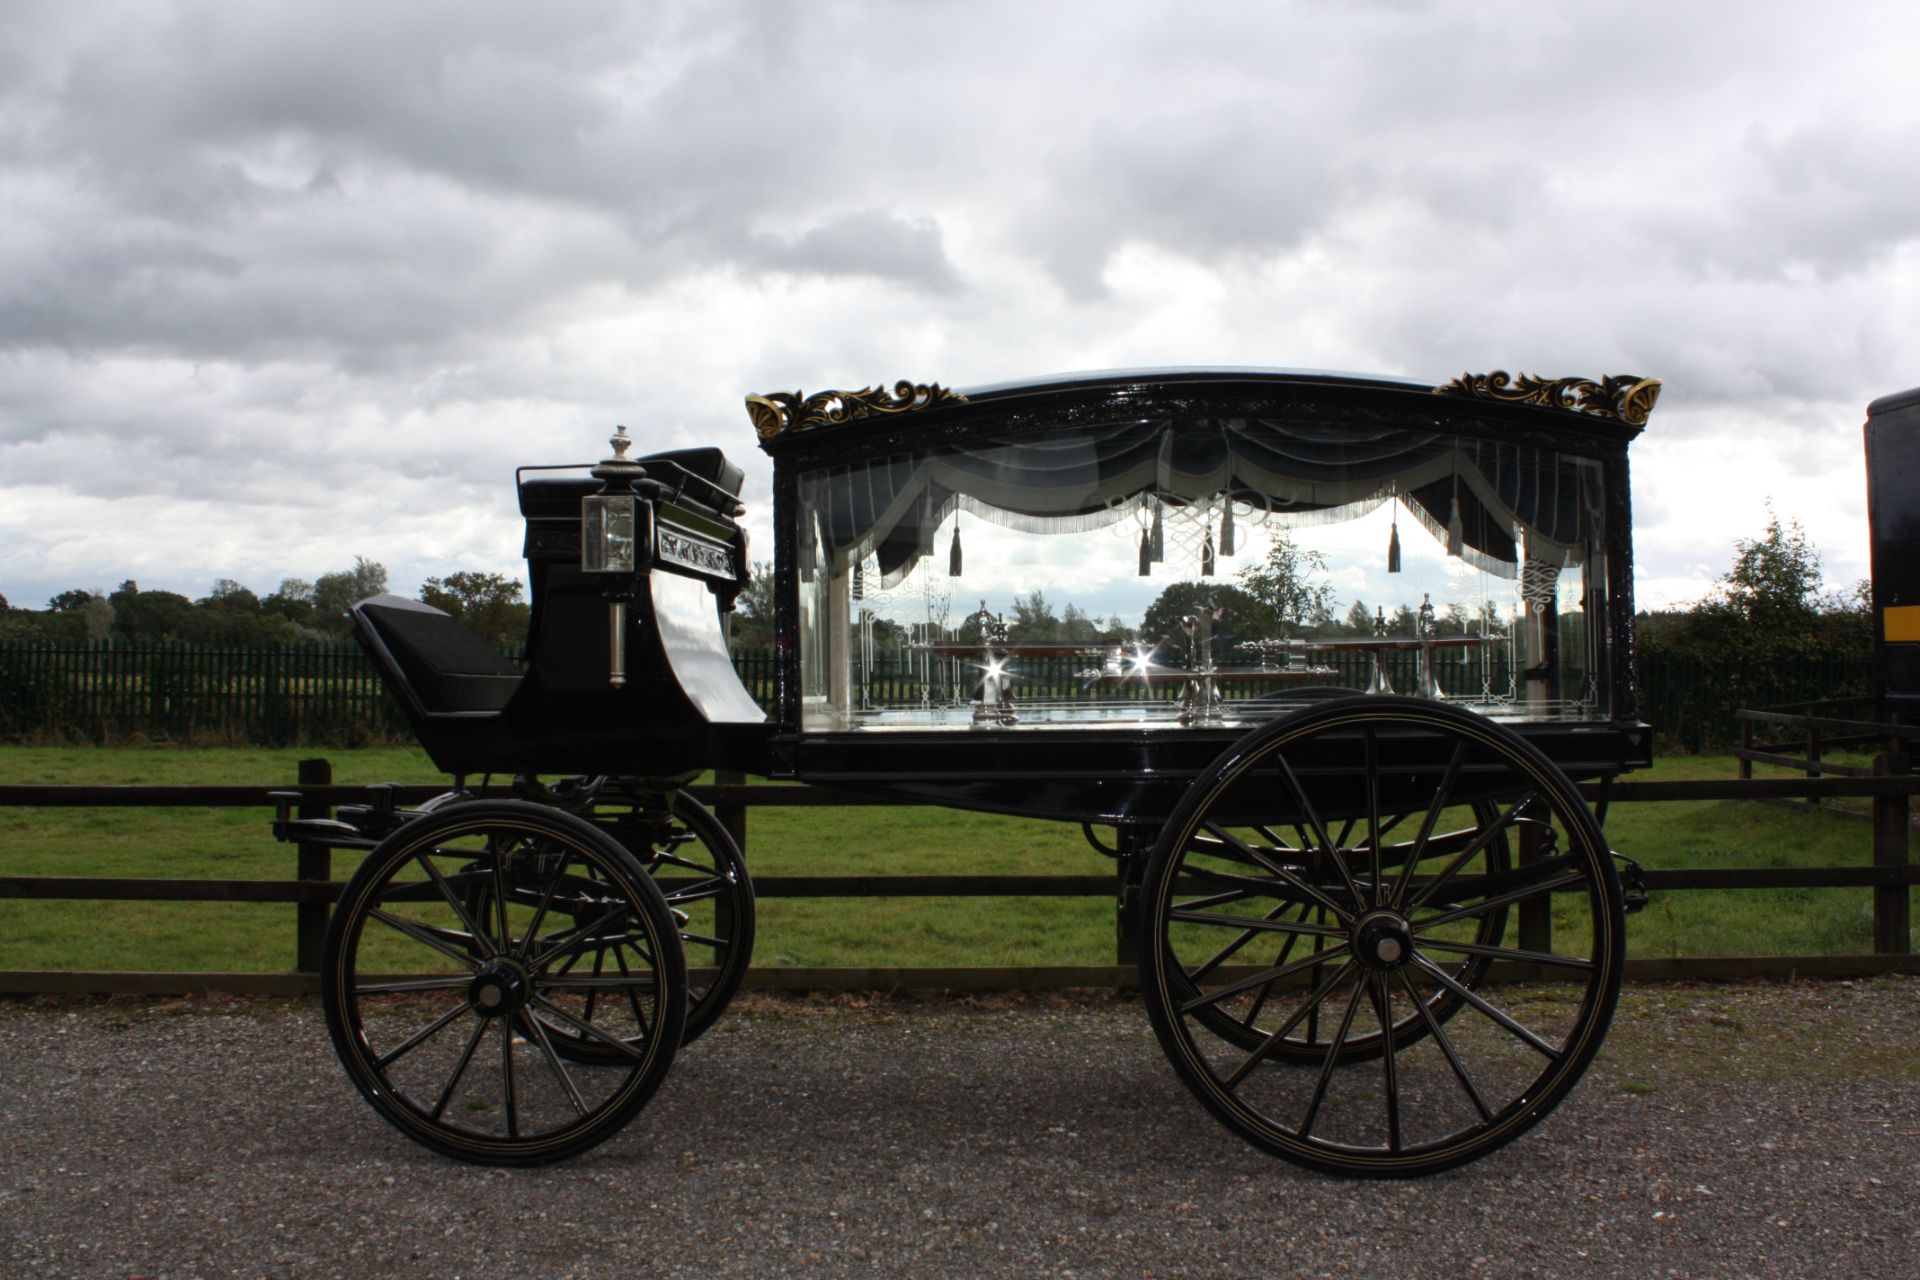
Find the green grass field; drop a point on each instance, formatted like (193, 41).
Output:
(236, 844)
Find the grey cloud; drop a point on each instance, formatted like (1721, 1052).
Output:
(870, 242)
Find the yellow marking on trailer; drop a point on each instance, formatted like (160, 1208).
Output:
(1901, 623)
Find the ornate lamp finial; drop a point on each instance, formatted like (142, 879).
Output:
(618, 463)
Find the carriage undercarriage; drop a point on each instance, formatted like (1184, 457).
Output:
(1331, 895)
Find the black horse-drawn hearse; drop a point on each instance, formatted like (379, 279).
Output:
(1333, 886)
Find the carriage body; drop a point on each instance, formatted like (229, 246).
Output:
(1529, 497)
(1330, 839)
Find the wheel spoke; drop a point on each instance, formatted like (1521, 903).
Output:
(546, 900)
(1474, 846)
(586, 1028)
(712, 887)
(1390, 1082)
(1502, 900)
(553, 1061)
(423, 935)
(593, 992)
(1263, 926)
(419, 1037)
(1247, 885)
(1282, 873)
(459, 908)
(499, 870)
(1329, 847)
(1225, 953)
(1441, 1038)
(459, 1068)
(1427, 824)
(1333, 1057)
(1507, 953)
(1473, 998)
(633, 1000)
(1309, 1009)
(1222, 899)
(1266, 833)
(595, 983)
(1265, 975)
(409, 984)
(1373, 810)
(580, 939)
(506, 1077)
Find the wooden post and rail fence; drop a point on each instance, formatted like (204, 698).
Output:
(1888, 784)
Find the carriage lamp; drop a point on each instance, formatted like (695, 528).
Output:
(607, 524)
(610, 536)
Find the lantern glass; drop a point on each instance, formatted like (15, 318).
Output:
(607, 531)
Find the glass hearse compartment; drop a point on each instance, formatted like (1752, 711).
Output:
(1474, 552)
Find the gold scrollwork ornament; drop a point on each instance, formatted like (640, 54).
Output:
(1622, 396)
(780, 411)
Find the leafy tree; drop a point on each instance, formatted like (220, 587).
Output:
(753, 610)
(336, 593)
(149, 617)
(1359, 619)
(233, 615)
(68, 601)
(1775, 578)
(293, 601)
(486, 602)
(1749, 642)
(1033, 620)
(4, 606)
(1245, 617)
(1284, 584)
(99, 618)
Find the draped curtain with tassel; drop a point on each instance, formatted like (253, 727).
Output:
(1477, 496)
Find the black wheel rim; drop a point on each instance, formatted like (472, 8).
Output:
(454, 960)
(1416, 846)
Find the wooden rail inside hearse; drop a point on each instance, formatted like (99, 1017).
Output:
(1889, 876)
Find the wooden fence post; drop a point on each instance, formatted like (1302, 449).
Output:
(1536, 913)
(732, 815)
(1892, 910)
(1813, 759)
(313, 862)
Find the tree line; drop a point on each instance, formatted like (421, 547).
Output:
(234, 615)
(1770, 606)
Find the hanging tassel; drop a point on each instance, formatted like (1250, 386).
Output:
(1159, 535)
(1393, 546)
(1146, 555)
(1226, 529)
(1456, 528)
(953, 553)
(1206, 556)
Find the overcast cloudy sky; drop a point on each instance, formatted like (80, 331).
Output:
(284, 283)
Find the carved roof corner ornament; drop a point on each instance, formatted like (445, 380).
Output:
(780, 411)
(1624, 397)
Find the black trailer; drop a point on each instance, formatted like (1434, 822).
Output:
(1326, 877)
(1893, 517)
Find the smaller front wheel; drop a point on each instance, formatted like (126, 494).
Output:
(452, 961)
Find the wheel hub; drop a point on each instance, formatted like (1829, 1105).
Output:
(1383, 941)
(500, 988)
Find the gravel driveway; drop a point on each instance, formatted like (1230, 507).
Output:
(1743, 1131)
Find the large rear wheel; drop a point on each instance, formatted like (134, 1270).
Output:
(1326, 917)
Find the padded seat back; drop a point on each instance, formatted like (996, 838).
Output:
(445, 666)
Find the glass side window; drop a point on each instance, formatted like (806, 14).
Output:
(1199, 571)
